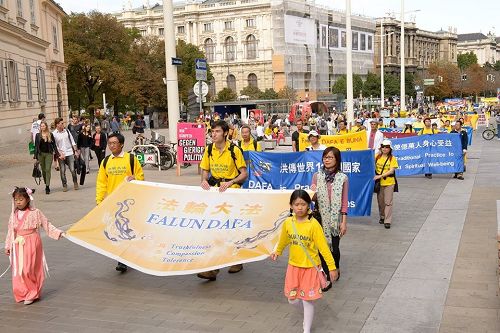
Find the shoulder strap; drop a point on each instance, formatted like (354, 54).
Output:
(104, 162)
(382, 170)
(255, 145)
(239, 143)
(209, 147)
(132, 162)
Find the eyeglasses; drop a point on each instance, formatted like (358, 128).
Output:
(329, 157)
(113, 143)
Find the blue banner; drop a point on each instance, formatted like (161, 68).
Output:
(469, 133)
(428, 154)
(295, 170)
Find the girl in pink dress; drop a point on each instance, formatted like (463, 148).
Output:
(23, 245)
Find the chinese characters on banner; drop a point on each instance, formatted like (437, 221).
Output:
(163, 229)
(191, 142)
(439, 153)
(295, 170)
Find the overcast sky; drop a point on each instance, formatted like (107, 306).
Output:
(466, 16)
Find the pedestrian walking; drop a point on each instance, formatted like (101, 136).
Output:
(115, 125)
(464, 139)
(75, 127)
(497, 119)
(45, 151)
(23, 245)
(99, 141)
(105, 125)
(84, 143)
(224, 162)
(428, 129)
(385, 173)
(67, 149)
(35, 126)
(305, 237)
(114, 169)
(331, 186)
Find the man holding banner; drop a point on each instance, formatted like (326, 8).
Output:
(465, 140)
(223, 166)
(427, 130)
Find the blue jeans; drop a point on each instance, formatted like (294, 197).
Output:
(70, 162)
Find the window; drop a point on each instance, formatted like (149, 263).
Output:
(19, 8)
(231, 82)
(250, 23)
(13, 81)
(209, 49)
(42, 89)
(362, 39)
(143, 32)
(161, 31)
(29, 88)
(343, 39)
(252, 80)
(333, 38)
(370, 43)
(32, 12)
(354, 40)
(3, 91)
(251, 47)
(55, 37)
(180, 29)
(229, 25)
(230, 49)
(208, 27)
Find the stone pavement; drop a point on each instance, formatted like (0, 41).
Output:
(434, 270)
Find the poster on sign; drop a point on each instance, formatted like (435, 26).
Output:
(191, 141)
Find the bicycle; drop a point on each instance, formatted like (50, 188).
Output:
(173, 152)
(489, 133)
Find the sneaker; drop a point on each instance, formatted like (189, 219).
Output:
(455, 176)
(387, 225)
(121, 267)
(381, 221)
(210, 275)
(65, 188)
(75, 186)
(461, 177)
(47, 189)
(28, 302)
(235, 268)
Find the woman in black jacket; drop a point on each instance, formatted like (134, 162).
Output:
(99, 144)
(45, 149)
(84, 143)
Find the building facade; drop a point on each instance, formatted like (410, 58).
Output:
(485, 47)
(422, 47)
(32, 69)
(262, 42)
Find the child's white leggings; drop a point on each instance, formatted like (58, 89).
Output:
(308, 313)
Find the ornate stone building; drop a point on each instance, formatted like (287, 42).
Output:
(264, 43)
(485, 47)
(422, 48)
(32, 68)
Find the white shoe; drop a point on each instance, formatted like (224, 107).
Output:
(27, 302)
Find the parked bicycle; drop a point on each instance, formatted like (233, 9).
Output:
(489, 133)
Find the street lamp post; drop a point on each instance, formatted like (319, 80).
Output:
(382, 87)
(402, 53)
(350, 106)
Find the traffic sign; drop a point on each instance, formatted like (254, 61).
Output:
(204, 88)
(203, 100)
(201, 69)
(176, 61)
(140, 157)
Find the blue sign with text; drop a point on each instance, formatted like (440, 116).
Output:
(296, 170)
(440, 153)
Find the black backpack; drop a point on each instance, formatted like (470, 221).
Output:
(231, 150)
(132, 162)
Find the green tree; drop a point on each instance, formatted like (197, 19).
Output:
(496, 66)
(340, 86)
(410, 84)
(391, 85)
(96, 49)
(269, 93)
(226, 95)
(371, 87)
(251, 91)
(465, 60)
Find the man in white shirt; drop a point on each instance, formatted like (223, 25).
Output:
(374, 136)
(67, 150)
(35, 127)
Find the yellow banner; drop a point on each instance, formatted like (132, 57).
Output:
(351, 141)
(164, 229)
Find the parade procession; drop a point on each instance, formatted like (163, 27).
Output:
(341, 168)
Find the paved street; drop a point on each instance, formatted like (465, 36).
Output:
(433, 271)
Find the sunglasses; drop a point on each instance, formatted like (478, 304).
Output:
(385, 146)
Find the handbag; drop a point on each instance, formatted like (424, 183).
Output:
(323, 280)
(37, 173)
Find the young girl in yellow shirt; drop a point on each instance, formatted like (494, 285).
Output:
(304, 233)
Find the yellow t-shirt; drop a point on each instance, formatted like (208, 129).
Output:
(426, 130)
(222, 165)
(342, 132)
(311, 234)
(268, 131)
(392, 163)
(418, 124)
(250, 145)
(117, 169)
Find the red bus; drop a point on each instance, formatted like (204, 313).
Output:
(304, 110)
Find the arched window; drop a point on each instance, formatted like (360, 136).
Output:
(252, 80)
(230, 48)
(231, 82)
(251, 47)
(209, 49)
